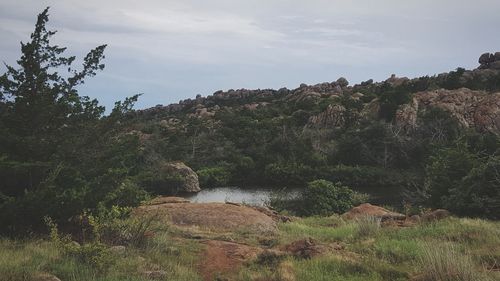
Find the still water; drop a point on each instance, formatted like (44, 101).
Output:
(260, 196)
(252, 196)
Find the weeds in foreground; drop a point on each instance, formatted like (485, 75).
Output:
(367, 226)
(446, 263)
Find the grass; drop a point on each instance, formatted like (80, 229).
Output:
(367, 226)
(451, 249)
(22, 260)
(327, 229)
(446, 263)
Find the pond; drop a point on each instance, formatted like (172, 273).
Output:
(253, 196)
(260, 195)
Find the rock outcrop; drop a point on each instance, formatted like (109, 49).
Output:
(489, 61)
(369, 210)
(189, 178)
(332, 117)
(216, 217)
(435, 215)
(472, 109)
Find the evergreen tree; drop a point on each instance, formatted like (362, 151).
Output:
(58, 154)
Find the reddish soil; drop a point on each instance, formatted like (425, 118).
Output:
(222, 258)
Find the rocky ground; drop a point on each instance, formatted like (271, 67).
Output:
(228, 241)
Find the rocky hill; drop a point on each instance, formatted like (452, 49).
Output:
(452, 92)
(378, 136)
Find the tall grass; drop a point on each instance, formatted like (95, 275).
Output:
(367, 226)
(445, 263)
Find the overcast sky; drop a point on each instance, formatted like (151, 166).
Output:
(171, 50)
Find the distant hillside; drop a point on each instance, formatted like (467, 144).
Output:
(373, 135)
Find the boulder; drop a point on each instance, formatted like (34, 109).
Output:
(406, 115)
(369, 210)
(190, 181)
(309, 248)
(357, 95)
(495, 65)
(371, 110)
(332, 117)
(435, 215)
(342, 82)
(486, 58)
(214, 217)
(397, 81)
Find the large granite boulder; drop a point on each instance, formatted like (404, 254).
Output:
(188, 178)
(214, 217)
(489, 61)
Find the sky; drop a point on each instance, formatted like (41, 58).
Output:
(172, 50)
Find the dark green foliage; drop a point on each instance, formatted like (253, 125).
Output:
(465, 182)
(289, 173)
(159, 182)
(58, 154)
(213, 176)
(390, 99)
(326, 198)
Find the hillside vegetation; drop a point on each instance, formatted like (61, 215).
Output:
(76, 184)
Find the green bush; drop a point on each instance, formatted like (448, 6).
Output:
(464, 182)
(94, 253)
(322, 197)
(157, 182)
(213, 176)
(133, 231)
(289, 173)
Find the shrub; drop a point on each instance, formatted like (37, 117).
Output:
(94, 254)
(322, 197)
(114, 226)
(160, 183)
(213, 176)
(464, 182)
(289, 173)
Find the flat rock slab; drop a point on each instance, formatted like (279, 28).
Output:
(369, 210)
(167, 199)
(218, 217)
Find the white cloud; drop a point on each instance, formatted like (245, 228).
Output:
(197, 45)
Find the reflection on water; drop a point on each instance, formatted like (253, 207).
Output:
(254, 196)
(260, 196)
